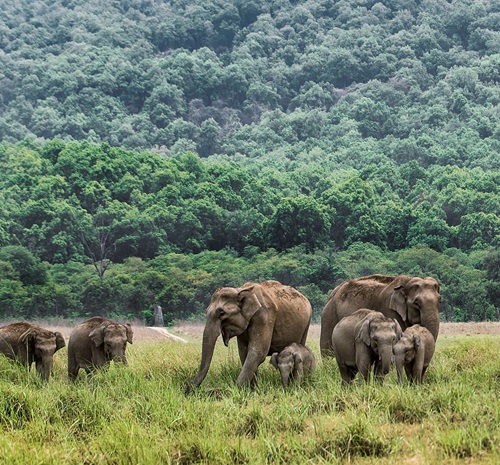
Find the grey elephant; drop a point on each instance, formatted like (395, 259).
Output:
(265, 318)
(294, 361)
(96, 342)
(408, 300)
(28, 343)
(414, 352)
(364, 340)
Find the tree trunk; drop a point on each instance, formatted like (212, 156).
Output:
(158, 316)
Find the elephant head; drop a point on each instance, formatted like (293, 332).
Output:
(405, 351)
(41, 346)
(417, 300)
(113, 338)
(285, 362)
(379, 333)
(229, 312)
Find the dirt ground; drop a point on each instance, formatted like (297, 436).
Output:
(195, 330)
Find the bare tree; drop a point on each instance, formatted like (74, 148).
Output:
(101, 246)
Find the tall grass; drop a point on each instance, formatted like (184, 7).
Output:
(140, 415)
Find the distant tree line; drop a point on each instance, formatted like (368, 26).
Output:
(89, 229)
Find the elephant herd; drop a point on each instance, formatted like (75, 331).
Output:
(362, 325)
(366, 323)
(92, 344)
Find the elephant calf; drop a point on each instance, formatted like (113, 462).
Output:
(414, 352)
(294, 361)
(28, 343)
(95, 343)
(362, 340)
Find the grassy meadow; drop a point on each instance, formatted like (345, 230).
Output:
(140, 415)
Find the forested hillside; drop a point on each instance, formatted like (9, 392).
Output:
(152, 151)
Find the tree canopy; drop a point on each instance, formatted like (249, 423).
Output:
(151, 151)
(419, 79)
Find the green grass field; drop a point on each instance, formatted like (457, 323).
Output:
(140, 415)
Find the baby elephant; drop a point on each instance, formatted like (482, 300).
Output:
(294, 361)
(414, 352)
(95, 343)
(28, 343)
(362, 340)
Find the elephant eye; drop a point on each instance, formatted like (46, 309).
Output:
(221, 312)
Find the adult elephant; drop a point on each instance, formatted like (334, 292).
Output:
(265, 317)
(95, 343)
(28, 343)
(409, 300)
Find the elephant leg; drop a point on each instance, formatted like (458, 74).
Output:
(250, 367)
(409, 372)
(347, 374)
(298, 372)
(364, 361)
(365, 373)
(259, 339)
(242, 350)
(73, 366)
(377, 371)
(326, 346)
(73, 372)
(424, 369)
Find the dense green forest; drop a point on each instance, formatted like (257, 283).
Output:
(152, 151)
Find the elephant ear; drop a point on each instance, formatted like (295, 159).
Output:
(274, 360)
(130, 333)
(398, 297)
(251, 301)
(399, 332)
(97, 335)
(297, 358)
(60, 342)
(363, 333)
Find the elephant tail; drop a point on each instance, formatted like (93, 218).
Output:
(303, 339)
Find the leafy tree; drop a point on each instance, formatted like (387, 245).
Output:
(28, 267)
(478, 230)
(492, 267)
(300, 220)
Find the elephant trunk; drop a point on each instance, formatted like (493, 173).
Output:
(44, 366)
(385, 360)
(430, 320)
(120, 359)
(210, 334)
(399, 360)
(285, 377)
